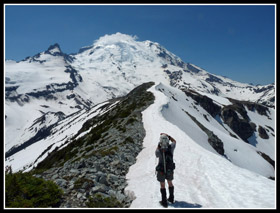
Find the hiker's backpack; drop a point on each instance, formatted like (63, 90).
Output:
(167, 159)
(163, 142)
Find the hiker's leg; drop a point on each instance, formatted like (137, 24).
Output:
(171, 191)
(161, 179)
(170, 188)
(163, 197)
(170, 184)
(162, 185)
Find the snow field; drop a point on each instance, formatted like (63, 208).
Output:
(237, 151)
(65, 130)
(202, 179)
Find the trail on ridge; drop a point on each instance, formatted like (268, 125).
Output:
(202, 179)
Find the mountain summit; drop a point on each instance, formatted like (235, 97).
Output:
(54, 50)
(65, 113)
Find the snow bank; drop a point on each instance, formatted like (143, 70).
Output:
(202, 179)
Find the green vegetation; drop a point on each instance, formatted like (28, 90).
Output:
(79, 183)
(100, 201)
(59, 157)
(131, 120)
(22, 190)
(109, 151)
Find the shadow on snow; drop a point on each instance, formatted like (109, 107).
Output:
(183, 204)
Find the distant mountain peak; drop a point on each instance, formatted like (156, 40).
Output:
(115, 38)
(54, 50)
(54, 46)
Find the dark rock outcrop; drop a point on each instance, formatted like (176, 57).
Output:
(241, 126)
(205, 102)
(213, 139)
(262, 133)
(235, 115)
(261, 109)
(267, 158)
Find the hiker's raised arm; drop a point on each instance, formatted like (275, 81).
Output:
(172, 139)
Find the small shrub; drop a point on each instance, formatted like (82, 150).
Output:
(100, 201)
(129, 140)
(110, 151)
(79, 183)
(22, 190)
(131, 120)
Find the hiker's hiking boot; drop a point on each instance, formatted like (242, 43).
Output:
(163, 201)
(171, 194)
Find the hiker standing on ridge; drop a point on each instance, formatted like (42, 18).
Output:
(165, 167)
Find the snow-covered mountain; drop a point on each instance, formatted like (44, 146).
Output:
(52, 98)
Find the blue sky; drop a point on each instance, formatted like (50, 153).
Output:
(237, 41)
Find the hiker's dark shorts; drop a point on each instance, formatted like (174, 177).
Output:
(161, 176)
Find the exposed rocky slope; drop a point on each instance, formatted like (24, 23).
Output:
(236, 117)
(99, 161)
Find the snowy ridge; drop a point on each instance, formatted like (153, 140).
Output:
(59, 136)
(235, 149)
(202, 179)
(225, 130)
